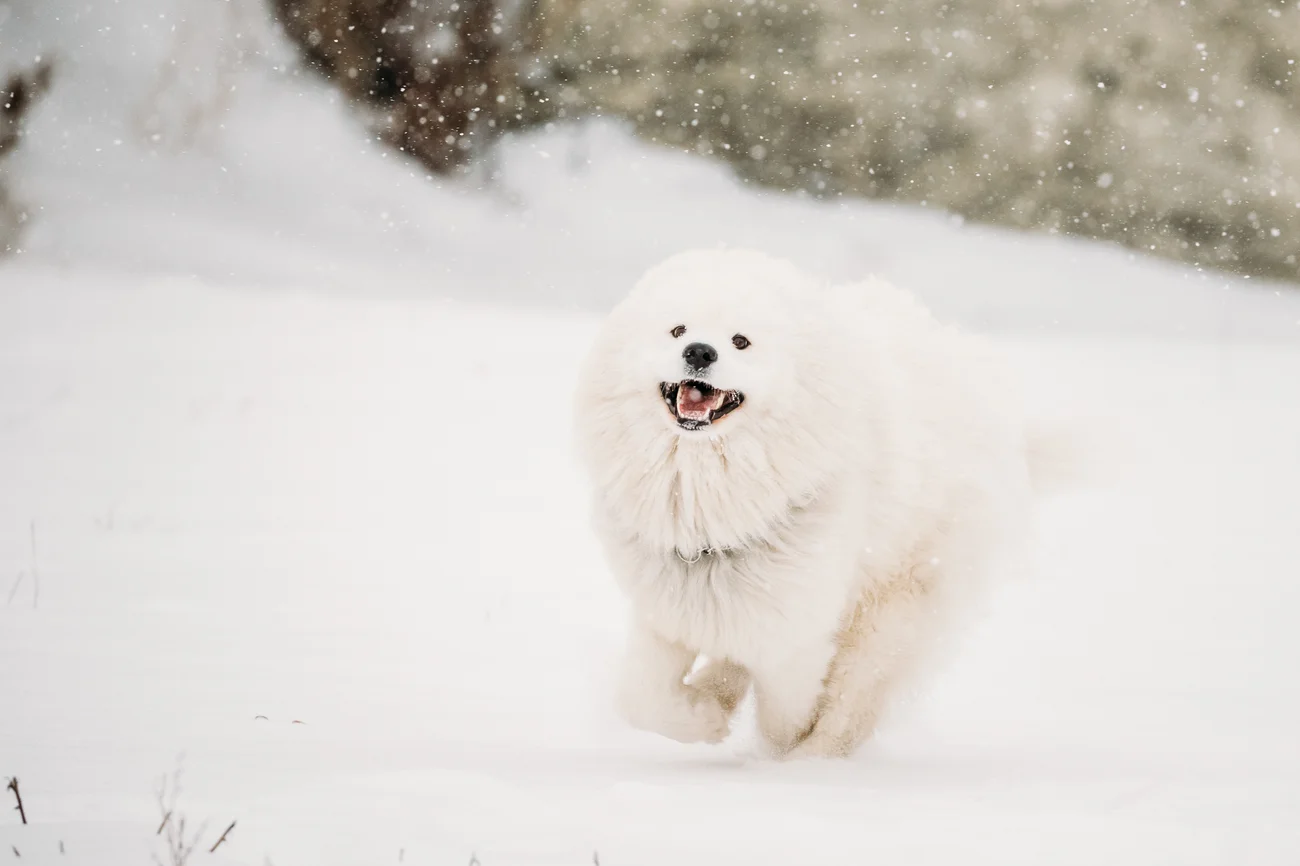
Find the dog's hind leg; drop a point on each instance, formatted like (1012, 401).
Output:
(788, 689)
(653, 697)
(876, 650)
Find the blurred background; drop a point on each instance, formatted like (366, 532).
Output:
(406, 129)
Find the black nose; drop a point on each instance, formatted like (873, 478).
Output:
(699, 356)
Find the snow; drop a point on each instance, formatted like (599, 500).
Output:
(285, 432)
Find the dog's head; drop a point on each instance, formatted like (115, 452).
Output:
(710, 342)
(718, 394)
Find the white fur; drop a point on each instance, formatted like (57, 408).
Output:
(850, 506)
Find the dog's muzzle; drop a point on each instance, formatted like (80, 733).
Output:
(697, 404)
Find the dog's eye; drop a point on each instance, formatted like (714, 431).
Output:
(740, 341)
(678, 331)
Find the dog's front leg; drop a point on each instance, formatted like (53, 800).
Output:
(653, 697)
(725, 680)
(788, 689)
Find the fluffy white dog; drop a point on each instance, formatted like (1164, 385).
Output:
(800, 482)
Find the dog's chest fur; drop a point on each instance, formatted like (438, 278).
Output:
(736, 601)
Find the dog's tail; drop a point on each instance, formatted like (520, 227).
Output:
(1064, 456)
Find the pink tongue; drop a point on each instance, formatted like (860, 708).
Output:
(691, 402)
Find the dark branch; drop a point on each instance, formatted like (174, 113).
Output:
(22, 813)
(216, 844)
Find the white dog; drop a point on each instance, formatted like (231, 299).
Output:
(801, 483)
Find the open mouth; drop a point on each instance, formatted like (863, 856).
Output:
(698, 404)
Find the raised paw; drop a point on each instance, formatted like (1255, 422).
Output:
(687, 716)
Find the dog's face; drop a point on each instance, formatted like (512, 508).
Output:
(720, 391)
(713, 340)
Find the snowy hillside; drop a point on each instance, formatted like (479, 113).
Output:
(287, 499)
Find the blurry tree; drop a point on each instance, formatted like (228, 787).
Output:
(1170, 127)
(443, 77)
(1173, 128)
(18, 93)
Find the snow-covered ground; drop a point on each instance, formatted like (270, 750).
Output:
(287, 500)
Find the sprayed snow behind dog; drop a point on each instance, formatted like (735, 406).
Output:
(807, 484)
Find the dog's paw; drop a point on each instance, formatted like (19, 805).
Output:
(826, 741)
(688, 716)
(704, 719)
